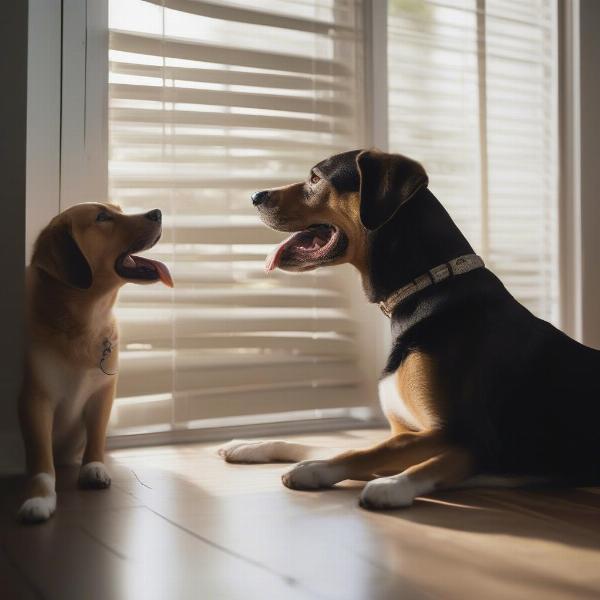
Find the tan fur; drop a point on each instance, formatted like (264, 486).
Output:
(417, 385)
(66, 399)
(416, 412)
(418, 390)
(328, 206)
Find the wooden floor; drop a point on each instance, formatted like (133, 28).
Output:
(179, 523)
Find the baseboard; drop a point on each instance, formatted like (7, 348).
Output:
(12, 455)
(228, 432)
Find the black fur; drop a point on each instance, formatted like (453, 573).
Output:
(341, 171)
(522, 396)
(420, 236)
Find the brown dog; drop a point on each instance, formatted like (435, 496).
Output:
(475, 384)
(80, 261)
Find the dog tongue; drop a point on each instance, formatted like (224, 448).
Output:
(161, 270)
(273, 258)
(163, 273)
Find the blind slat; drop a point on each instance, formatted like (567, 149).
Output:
(220, 120)
(229, 77)
(221, 141)
(210, 53)
(253, 17)
(158, 93)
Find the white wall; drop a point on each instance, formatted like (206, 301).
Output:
(43, 116)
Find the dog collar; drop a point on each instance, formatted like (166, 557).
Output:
(456, 266)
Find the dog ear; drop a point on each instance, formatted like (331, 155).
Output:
(386, 182)
(57, 253)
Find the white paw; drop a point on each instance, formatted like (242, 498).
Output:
(94, 475)
(388, 492)
(245, 451)
(312, 475)
(37, 509)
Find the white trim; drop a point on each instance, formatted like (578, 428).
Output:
(373, 322)
(43, 116)
(227, 432)
(589, 154)
(484, 168)
(84, 149)
(579, 99)
(73, 104)
(569, 172)
(96, 116)
(376, 95)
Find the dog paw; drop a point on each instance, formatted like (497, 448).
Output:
(312, 475)
(37, 509)
(94, 476)
(388, 492)
(245, 451)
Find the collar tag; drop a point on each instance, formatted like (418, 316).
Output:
(107, 349)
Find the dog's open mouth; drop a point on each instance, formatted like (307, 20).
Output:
(308, 249)
(140, 269)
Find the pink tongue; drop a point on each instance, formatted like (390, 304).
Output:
(164, 274)
(272, 260)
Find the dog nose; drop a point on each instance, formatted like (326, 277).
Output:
(259, 197)
(154, 215)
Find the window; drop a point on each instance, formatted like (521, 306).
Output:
(209, 101)
(472, 94)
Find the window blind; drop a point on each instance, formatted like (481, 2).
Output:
(209, 101)
(472, 95)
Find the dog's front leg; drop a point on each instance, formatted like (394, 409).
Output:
(36, 416)
(271, 451)
(448, 469)
(389, 457)
(93, 473)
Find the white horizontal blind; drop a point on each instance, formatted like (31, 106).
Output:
(210, 101)
(472, 95)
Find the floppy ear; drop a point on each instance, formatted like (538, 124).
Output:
(386, 182)
(57, 253)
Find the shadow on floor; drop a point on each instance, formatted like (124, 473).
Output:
(563, 515)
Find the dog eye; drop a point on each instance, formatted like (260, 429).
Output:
(103, 216)
(314, 178)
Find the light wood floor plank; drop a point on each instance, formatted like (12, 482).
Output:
(180, 523)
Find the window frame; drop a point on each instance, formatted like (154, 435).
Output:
(579, 182)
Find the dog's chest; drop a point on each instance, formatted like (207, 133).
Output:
(67, 386)
(411, 397)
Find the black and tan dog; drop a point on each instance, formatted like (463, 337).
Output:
(475, 384)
